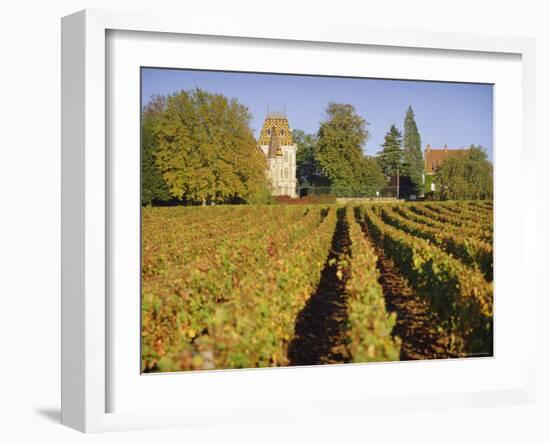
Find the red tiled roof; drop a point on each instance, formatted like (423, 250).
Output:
(433, 158)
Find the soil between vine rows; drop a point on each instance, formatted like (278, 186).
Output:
(320, 331)
(420, 338)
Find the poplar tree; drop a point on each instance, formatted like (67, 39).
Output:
(412, 152)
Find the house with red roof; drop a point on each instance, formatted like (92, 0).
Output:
(433, 159)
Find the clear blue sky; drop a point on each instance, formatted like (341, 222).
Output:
(456, 114)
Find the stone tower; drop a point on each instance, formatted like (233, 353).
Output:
(276, 143)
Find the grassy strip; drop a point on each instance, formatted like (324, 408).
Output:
(370, 325)
(459, 297)
(468, 249)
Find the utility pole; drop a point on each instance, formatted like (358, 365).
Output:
(397, 190)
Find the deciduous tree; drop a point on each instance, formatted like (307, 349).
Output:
(207, 152)
(308, 169)
(372, 179)
(340, 149)
(153, 187)
(465, 177)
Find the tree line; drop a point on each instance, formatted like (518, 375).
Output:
(334, 156)
(198, 148)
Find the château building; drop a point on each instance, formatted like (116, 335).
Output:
(275, 141)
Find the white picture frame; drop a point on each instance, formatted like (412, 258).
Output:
(86, 314)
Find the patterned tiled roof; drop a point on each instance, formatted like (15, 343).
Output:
(274, 145)
(276, 124)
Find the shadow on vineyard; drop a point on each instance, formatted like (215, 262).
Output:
(420, 339)
(320, 331)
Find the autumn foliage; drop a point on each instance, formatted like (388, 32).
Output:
(223, 286)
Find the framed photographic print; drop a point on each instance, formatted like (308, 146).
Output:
(287, 248)
(276, 223)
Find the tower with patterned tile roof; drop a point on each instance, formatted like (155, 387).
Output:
(275, 141)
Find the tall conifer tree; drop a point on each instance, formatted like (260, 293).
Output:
(412, 152)
(390, 158)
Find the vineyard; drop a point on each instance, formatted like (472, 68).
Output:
(279, 285)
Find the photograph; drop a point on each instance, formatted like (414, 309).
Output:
(298, 220)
